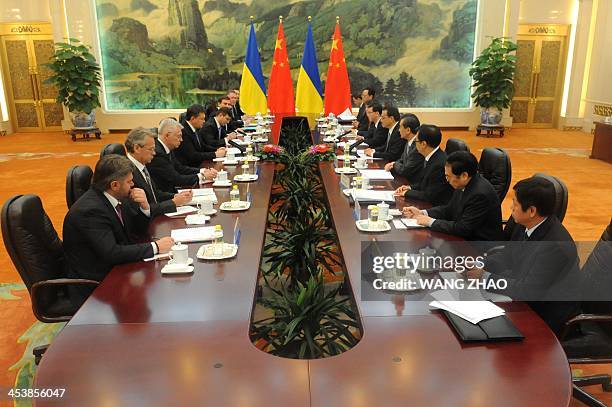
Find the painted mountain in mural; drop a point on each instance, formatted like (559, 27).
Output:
(170, 53)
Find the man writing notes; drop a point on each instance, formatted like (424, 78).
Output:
(540, 263)
(474, 211)
(410, 164)
(101, 228)
(193, 150)
(140, 146)
(393, 146)
(167, 172)
(433, 187)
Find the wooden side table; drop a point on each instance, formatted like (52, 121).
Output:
(490, 131)
(602, 142)
(85, 132)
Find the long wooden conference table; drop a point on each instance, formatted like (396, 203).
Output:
(147, 339)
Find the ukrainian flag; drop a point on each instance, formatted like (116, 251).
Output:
(252, 86)
(309, 93)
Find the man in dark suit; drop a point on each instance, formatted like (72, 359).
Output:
(393, 146)
(235, 112)
(474, 211)
(362, 123)
(433, 187)
(376, 134)
(167, 172)
(410, 164)
(540, 263)
(193, 150)
(214, 132)
(140, 146)
(101, 229)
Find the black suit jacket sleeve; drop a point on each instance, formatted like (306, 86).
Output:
(98, 232)
(394, 150)
(474, 213)
(210, 134)
(435, 189)
(409, 167)
(187, 152)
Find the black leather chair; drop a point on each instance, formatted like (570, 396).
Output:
(78, 182)
(495, 166)
(454, 144)
(587, 338)
(113, 148)
(36, 251)
(181, 118)
(561, 195)
(294, 133)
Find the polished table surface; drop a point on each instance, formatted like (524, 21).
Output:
(144, 339)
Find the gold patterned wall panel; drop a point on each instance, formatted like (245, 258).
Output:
(17, 53)
(524, 62)
(43, 50)
(543, 113)
(549, 68)
(53, 113)
(519, 111)
(26, 115)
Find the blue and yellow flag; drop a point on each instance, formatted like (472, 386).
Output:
(252, 86)
(308, 98)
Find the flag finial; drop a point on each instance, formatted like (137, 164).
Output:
(309, 18)
(251, 18)
(337, 19)
(280, 18)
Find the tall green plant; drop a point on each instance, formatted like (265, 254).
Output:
(76, 75)
(493, 74)
(308, 322)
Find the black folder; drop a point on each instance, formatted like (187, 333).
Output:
(490, 330)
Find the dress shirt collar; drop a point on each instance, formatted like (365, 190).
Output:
(432, 153)
(113, 201)
(529, 232)
(136, 163)
(377, 122)
(411, 141)
(217, 122)
(166, 149)
(392, 128)
(192, 128)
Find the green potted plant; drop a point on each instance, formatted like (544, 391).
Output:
(77, 77)
(493, 76)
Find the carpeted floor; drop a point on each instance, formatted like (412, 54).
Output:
(37, 163)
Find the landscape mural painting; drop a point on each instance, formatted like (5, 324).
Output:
(168, 54)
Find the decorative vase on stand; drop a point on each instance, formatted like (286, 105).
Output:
(490, 116)
(82, 120)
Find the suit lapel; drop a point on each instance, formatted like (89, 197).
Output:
(119, 227)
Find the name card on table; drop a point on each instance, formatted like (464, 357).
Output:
(237, 233)
(357, 211)
(345, 181)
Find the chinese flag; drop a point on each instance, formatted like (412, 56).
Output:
(337, 86)
(280, 89)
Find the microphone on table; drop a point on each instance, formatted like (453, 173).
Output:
(238, 146)
(352, 147)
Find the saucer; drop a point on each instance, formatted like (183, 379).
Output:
(177, 269)
(234, 162)
(343, 170)
(246, 178)
(196, 219)
(208, 213)
(189, 262)
(227, 183)
(364, 226)
(227, 206)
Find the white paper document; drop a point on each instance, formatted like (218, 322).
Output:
(373, 195)
(375, 175)
(182, 211)
(234, 150)
(411, 223)
(200, 191)
(472, 311)
(347, 115)
(193, 234)
(398, 224)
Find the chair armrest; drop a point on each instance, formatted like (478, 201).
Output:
(578, 319)
(41, 285)
(495, 249)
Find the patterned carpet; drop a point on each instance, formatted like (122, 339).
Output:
(38, 162)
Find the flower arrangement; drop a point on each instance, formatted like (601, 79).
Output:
(323, 152)
(270, 152)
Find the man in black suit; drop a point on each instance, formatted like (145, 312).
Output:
(193, 150)
(140, 146)
(167, 172)
(101, 229)
(362, 123)
(393, 146)
(410, 164)
(474, 211)
(376, 134)
(433, 187)
(540, 263)
(214, 131)
(236, 114)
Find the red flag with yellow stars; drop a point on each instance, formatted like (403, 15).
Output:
(280, 90)
(337, 85)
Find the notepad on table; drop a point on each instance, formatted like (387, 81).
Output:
(375, 175)
(182, 211)
(193, 234)
(369, 195)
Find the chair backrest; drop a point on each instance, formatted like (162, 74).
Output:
(181, 118)
(561, 195)
(495, 166)
(113, 148)
(598, 277)
(294, 126)
(78, 182)
(454, 144)
(31, 240)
